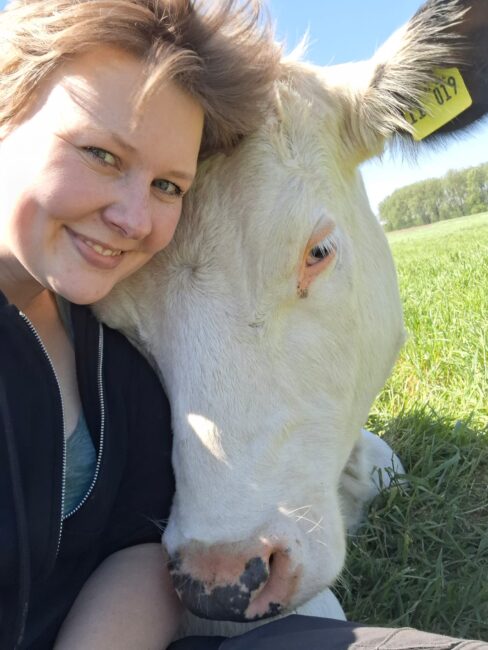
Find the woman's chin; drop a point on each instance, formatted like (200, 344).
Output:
(81, 295)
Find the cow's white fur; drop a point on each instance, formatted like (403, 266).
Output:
(269, 389)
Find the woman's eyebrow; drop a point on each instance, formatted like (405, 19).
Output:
(87, 103)
(123, 144)
(98, 126)
(174, 173)
(181, 175)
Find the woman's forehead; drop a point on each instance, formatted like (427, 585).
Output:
(108, 81)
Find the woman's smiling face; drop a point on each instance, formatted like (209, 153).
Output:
(90, 188)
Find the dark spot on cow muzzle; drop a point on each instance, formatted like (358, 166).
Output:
(225, 602)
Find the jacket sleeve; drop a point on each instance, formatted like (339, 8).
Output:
(146, 489)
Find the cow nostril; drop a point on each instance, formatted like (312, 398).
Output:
(255, 574)
(276, 592)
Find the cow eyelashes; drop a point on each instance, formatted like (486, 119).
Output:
(320, 254)
(321, 251)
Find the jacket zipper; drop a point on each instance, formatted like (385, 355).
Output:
(63, 475)
(102, 423)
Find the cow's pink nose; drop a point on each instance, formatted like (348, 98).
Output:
(224, 583)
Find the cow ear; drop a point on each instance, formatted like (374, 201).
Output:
(444, 44)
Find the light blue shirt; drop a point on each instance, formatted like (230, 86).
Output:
(81, 460)
(81, 457)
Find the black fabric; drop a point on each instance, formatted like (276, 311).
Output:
(130, 500)
(16, 618)
(310, 633)
(198, 643)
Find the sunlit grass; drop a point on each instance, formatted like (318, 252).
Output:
(422, 557)
(443, 274)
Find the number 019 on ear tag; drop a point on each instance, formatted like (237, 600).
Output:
(444, 100)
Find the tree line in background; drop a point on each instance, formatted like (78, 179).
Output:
(456, 194)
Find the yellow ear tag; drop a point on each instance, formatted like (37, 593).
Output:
(444, 100)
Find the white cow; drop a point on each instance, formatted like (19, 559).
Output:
(274, 320)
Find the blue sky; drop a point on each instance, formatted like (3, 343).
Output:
(351, 30)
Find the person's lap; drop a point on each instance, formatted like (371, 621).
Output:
(310, 633)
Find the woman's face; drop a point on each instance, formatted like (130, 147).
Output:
(90, 189)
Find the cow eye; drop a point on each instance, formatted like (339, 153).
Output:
(320, 252)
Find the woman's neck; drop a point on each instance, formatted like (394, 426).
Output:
(42, 311)
(20, 288)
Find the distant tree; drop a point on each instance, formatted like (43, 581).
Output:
(430, 194)
(454, 186)
(477, 189)
(456, 194)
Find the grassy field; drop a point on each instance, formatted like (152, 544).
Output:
(421, 559)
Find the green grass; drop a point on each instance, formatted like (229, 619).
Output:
(421, 559)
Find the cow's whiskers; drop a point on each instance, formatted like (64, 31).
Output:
(304, 516)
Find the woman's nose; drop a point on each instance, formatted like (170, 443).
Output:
(130, 213)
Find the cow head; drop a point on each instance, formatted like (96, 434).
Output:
(274, 319)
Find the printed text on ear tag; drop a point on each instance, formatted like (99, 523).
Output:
(444, 100)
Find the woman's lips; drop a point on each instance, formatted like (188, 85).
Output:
(99, 255)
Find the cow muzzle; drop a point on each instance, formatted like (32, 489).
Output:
(230, 582)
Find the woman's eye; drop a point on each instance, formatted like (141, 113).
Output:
(102, 156)
(167, 187)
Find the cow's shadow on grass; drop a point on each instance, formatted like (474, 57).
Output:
(421, 557)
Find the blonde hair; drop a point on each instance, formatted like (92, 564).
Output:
(222, 53)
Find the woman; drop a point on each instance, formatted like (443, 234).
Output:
(105, 107)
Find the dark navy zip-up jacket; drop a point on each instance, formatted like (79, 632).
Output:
(44, 560)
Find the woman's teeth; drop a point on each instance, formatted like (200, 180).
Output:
(106, 252)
